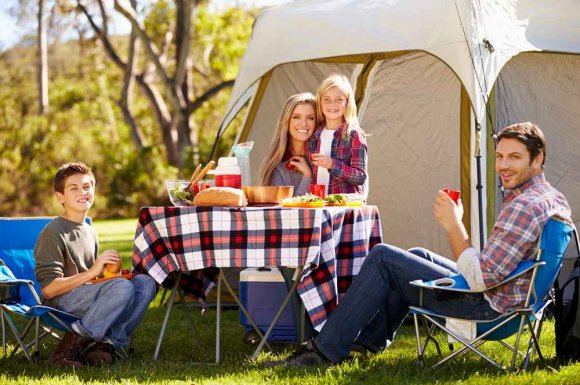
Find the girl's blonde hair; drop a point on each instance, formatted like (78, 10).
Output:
(280, 140)
(350, 114)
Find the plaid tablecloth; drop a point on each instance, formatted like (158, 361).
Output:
(331, 244)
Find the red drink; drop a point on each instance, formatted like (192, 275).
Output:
(453, 194)
(317, 189)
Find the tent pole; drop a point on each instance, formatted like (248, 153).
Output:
(479, 186)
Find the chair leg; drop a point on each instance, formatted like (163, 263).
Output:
(21, 343)
(3, 332)
(189, 317)
(418, 338)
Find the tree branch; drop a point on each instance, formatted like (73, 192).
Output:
(208, 95)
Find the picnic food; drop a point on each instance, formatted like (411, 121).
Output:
(179, 193)
(112, 269)
(306, 200)
(221, 196)
(344, 200)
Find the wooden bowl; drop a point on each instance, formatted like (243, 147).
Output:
(267, 194)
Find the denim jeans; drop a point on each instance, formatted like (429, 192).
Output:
(379, 298)
(110, 310)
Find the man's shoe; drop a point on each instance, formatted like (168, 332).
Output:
(308, 355)
(100, 353)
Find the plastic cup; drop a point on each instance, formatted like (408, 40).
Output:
(317, 189)
(453, 194)
(200, 186)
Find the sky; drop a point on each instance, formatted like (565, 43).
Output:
(10, 33)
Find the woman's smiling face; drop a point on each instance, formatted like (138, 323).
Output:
(302, 122)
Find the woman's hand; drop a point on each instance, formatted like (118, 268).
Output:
(321, 160)
(300, 164)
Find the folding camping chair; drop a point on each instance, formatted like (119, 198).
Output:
(543, 267)
(20, 295)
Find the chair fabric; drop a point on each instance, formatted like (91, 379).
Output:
(21, 294)
(545, 266)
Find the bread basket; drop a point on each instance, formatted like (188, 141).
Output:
(267, 194)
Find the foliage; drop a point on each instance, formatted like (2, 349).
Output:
(85, 122)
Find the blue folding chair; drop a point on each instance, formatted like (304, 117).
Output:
(543, 267)
(21, 289)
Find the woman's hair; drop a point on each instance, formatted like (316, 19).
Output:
(280, 140)
(350, 114)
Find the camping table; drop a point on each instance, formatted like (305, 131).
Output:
(328, 245)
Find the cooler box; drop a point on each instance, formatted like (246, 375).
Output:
(262, 293)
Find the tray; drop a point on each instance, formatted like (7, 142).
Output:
(98, 280)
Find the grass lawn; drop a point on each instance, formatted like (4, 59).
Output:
(178, 356)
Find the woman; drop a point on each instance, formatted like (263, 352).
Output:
(285, 162)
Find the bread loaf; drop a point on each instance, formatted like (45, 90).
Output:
(221, 196)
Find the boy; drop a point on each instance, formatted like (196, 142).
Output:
(67, 259)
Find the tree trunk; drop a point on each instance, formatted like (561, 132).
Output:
(42, 61)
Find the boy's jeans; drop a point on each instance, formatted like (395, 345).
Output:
(381, 292)
(110, 310)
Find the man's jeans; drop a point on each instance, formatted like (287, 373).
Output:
(380, 296)
(110, 310)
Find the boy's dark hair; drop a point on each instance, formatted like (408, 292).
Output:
(529, 134)
(69, 169)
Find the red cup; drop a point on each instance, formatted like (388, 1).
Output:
(228, 180)
(453, 194)
(290, 166)
(200, 186)
(317, 189)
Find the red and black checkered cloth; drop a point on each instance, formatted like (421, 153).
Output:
(330, 243)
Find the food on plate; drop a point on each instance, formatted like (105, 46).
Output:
(344, 200)
(221, 196)
(112, 269)
(306, 200)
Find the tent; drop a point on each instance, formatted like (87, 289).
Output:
(433, 80)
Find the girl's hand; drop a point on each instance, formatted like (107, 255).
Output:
(300, 164)
(321, 160)
(108, 256)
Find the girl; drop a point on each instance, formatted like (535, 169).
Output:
(285, 163)
(338, 148)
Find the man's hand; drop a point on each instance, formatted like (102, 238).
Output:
(449, 215)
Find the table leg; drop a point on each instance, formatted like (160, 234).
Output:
(218, 319)
(167, 313)
(278, 315)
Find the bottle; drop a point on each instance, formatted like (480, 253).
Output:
(242, 153)
(228, 173)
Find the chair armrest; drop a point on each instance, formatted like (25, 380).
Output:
(454, 283)
(16, 282)
(457, 283)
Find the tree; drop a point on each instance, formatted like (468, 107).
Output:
(165, 70)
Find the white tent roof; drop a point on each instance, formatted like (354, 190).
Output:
(343, 27)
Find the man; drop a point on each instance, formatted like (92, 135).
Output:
(378, 300)
(67, 259)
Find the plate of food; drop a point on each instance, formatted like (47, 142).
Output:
(350, 200)
(305, 201)
(103, 279)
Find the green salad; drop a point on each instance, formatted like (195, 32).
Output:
(306, 198)
(180, 193)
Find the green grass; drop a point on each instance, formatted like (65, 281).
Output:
(179, 354)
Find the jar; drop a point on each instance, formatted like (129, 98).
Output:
(228, 173)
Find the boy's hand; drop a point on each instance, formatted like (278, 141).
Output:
(108, 256)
